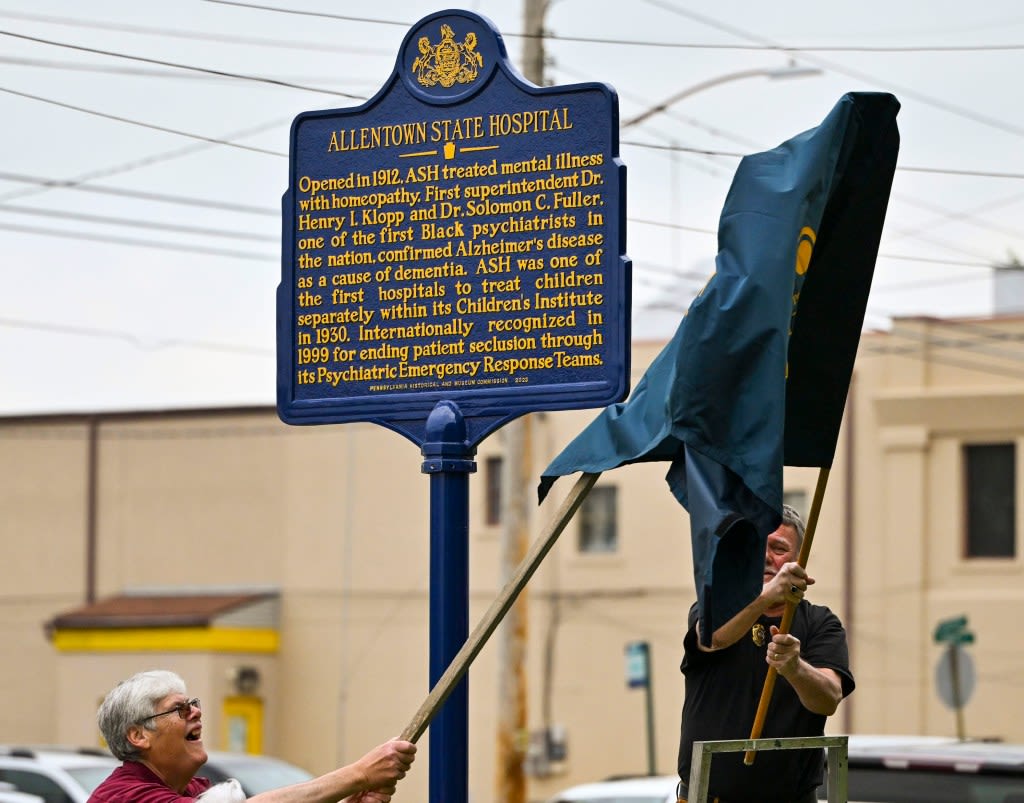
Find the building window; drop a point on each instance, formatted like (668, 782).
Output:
(599, 530)
(991, 513)
(492, 479)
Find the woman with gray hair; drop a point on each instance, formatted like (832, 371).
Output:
(152, 725)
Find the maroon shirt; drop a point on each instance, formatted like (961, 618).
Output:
(133, 782)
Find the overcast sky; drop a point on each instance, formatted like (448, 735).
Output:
(149, 282)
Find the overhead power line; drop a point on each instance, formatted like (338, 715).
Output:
(109, 220)
(647, 43)
(145, 161)
(184, 200)
(207, 70)
(147, 343)
(212, 141)
(954, 172)
(301, 13)
(658, 146)
(967, 216)
(159, 245)
(128, 121)
(153, 72)
(936, 345)
(842, 69)
(201, 36)
(107, 69)
(933, 261)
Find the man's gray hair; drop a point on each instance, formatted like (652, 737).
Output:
(131, 701)
(794, 520)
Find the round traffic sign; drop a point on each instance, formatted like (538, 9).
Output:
(965, 676)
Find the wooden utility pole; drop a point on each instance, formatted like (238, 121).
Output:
(517, 483)
(512, 707)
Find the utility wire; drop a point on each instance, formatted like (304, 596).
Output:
(146, 161)
(958, 172)
(681, 304)
(163, 246)
(146, 343)
(1003, 371)
(145, 72)
(217, 141)
(649, 145)
(675, 226)
(206, 70)
(645, 43)
(64, 214)
(107, 69)
(957, 341)
(881, 255)
(736, 155)
(945, 214)
(935, 261)
(320, 14)
(700, 18)
(171, 33)
(950, 108)
(954, 172)
(211, 140)
(968, 216)
(139, 123)
(182, 200)
(267, 211)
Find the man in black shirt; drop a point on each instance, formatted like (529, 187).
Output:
(724, 682)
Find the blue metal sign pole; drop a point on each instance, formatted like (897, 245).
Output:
(448, 459)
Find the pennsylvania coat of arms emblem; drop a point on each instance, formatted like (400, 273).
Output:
(448, 62)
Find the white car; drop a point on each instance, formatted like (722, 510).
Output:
(645, 789)
(57, 775)
(68, 774)
(8, 794)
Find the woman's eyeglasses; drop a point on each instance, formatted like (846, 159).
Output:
(182, 710)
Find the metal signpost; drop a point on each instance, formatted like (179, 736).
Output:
(453, 257)
(954, 674)
(638, 676)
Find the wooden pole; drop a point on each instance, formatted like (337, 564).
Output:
(511, 638)
(511, 737)
(787, 616)
(460, 663)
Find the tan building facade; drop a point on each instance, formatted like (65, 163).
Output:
(324, 531)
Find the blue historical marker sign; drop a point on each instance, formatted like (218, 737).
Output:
(460, 236)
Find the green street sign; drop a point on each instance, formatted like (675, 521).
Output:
(953, 630)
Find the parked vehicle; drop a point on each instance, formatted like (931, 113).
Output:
(9, 794)
(69, 774)
(880, 769)
(644, 789)
(255, 773)
(913, 769)
(56, 774)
